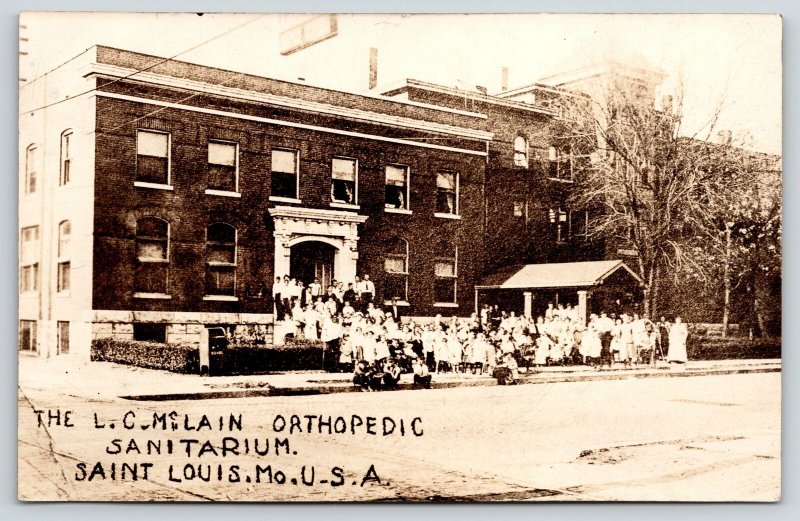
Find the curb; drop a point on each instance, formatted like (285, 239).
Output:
(346, 386)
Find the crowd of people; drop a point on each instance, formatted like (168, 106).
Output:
(378, 345)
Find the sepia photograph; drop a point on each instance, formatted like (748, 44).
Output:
(411, 258)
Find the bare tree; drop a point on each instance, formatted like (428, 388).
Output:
(650, 187)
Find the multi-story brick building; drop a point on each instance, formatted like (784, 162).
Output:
(159, 197)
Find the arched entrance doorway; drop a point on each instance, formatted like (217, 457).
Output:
(297, 226)
(311, 260)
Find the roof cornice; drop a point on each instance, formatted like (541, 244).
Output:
(161, 80)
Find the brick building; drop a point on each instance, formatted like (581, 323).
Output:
(158, 197)
(529, 173)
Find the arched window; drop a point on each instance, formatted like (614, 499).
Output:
(520, 152)
(66, 157)
(31, 167)
(64, 236)
(396, 267)
(221, 260)
(446, 273)
(152, 257)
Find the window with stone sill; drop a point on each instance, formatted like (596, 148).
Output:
(447, 193)
(151, 274)
(445, 272)
(565, 165)
(152, 157)
(284, 174)
(344, 180)
(223, 166)
(396, 270)
(397, 187)
(221, 260)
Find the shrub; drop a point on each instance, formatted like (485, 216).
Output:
(733, 348)
(255, 358)
(295, 356)
(152, 355)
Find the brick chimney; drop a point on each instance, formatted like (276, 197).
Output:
(504, 79)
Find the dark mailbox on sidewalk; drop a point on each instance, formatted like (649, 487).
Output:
(213, 345)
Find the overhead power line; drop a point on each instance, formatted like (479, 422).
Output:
(164, 60)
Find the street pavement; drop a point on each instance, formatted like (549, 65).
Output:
(570, 434)
(104, 380)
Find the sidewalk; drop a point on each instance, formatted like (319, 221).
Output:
(103, 380)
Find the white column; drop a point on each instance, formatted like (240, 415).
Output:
(282, 255)
(582, 306)
(346, 260)
(528, 310)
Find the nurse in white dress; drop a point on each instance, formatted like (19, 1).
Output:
(678, 334)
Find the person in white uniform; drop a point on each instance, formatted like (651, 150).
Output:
(678, 333)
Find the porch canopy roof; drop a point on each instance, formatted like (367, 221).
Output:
(556, 275)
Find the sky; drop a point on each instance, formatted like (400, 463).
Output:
(732, 60)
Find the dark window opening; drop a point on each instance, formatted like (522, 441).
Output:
(63, 338)
(27, 336)
(63, 276)
(145, 332)
(152, 160)
(343, 180)
(152, 266)
(396, 270)
(284, 174)
(396, 187)
(446, 193)
(221, 260)
(446, 275)
(222, 164)
(65, 158)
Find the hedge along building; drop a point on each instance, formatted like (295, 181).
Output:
(158, 197)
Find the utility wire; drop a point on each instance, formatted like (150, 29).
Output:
(236, 28)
